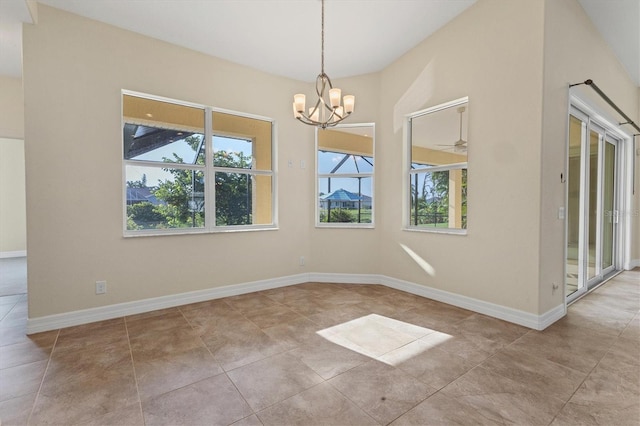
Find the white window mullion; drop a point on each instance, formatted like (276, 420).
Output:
(210, 183)
(163, 165)
(345, 175)
(243, 171)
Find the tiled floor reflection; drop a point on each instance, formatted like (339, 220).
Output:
(327, 354)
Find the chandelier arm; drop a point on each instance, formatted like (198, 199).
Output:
(323, 125)
(316, 107)
(308, 120)
(322, 81)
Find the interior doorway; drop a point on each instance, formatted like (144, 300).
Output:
(593, 203)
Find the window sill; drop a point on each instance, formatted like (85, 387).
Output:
(437, 231)
(344, 226)
(219, 230)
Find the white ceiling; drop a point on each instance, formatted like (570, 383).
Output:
(282, 37)
(619, 23)
(12, 14)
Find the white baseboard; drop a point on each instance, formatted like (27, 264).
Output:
(84, 316)
(635, 263)
(345, 278)
(536, 322)
(8, 254)
(551, 316)
(68, 319)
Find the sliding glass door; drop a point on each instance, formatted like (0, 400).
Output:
(592, 213)
(609, 211)
(574, 280)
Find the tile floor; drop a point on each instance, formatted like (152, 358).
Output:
(327, 354)
(13, 276)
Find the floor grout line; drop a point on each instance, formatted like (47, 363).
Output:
(35, 401)
(133, 367)
(224, 371)
(582, 382)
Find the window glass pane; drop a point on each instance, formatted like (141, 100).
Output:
(243, 143)
(232, 152)
(162, 114)
(439, 138)
(146, 143)
(339, 147)
(439, 199)
(345, 200)
(161, 198)
(249, 129)
(243, 199)
(337, 162)
(162, 131)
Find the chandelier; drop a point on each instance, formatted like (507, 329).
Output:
(326, 112)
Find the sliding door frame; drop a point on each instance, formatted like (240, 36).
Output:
(608, 132)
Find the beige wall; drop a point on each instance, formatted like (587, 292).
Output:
(74, 162)
(13, 230)
(11, 108)
(480, 55)
(13, 236)
(574, 52)
(492, 53)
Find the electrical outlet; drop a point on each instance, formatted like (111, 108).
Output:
(301, 260)
(101, 287)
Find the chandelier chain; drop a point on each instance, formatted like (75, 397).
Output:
(322, 38)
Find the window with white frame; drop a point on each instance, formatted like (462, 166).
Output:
(345, 172)
(437, 175)
(189, 168)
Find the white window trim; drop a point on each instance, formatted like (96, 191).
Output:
(349, 225)
(209, 172)
(406, 136)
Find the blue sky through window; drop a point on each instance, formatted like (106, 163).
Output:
(328, 161)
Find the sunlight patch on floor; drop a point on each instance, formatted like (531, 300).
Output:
(383, 338)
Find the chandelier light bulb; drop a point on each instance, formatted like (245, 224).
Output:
(299, 100)
(349, 102)
(334, 97)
